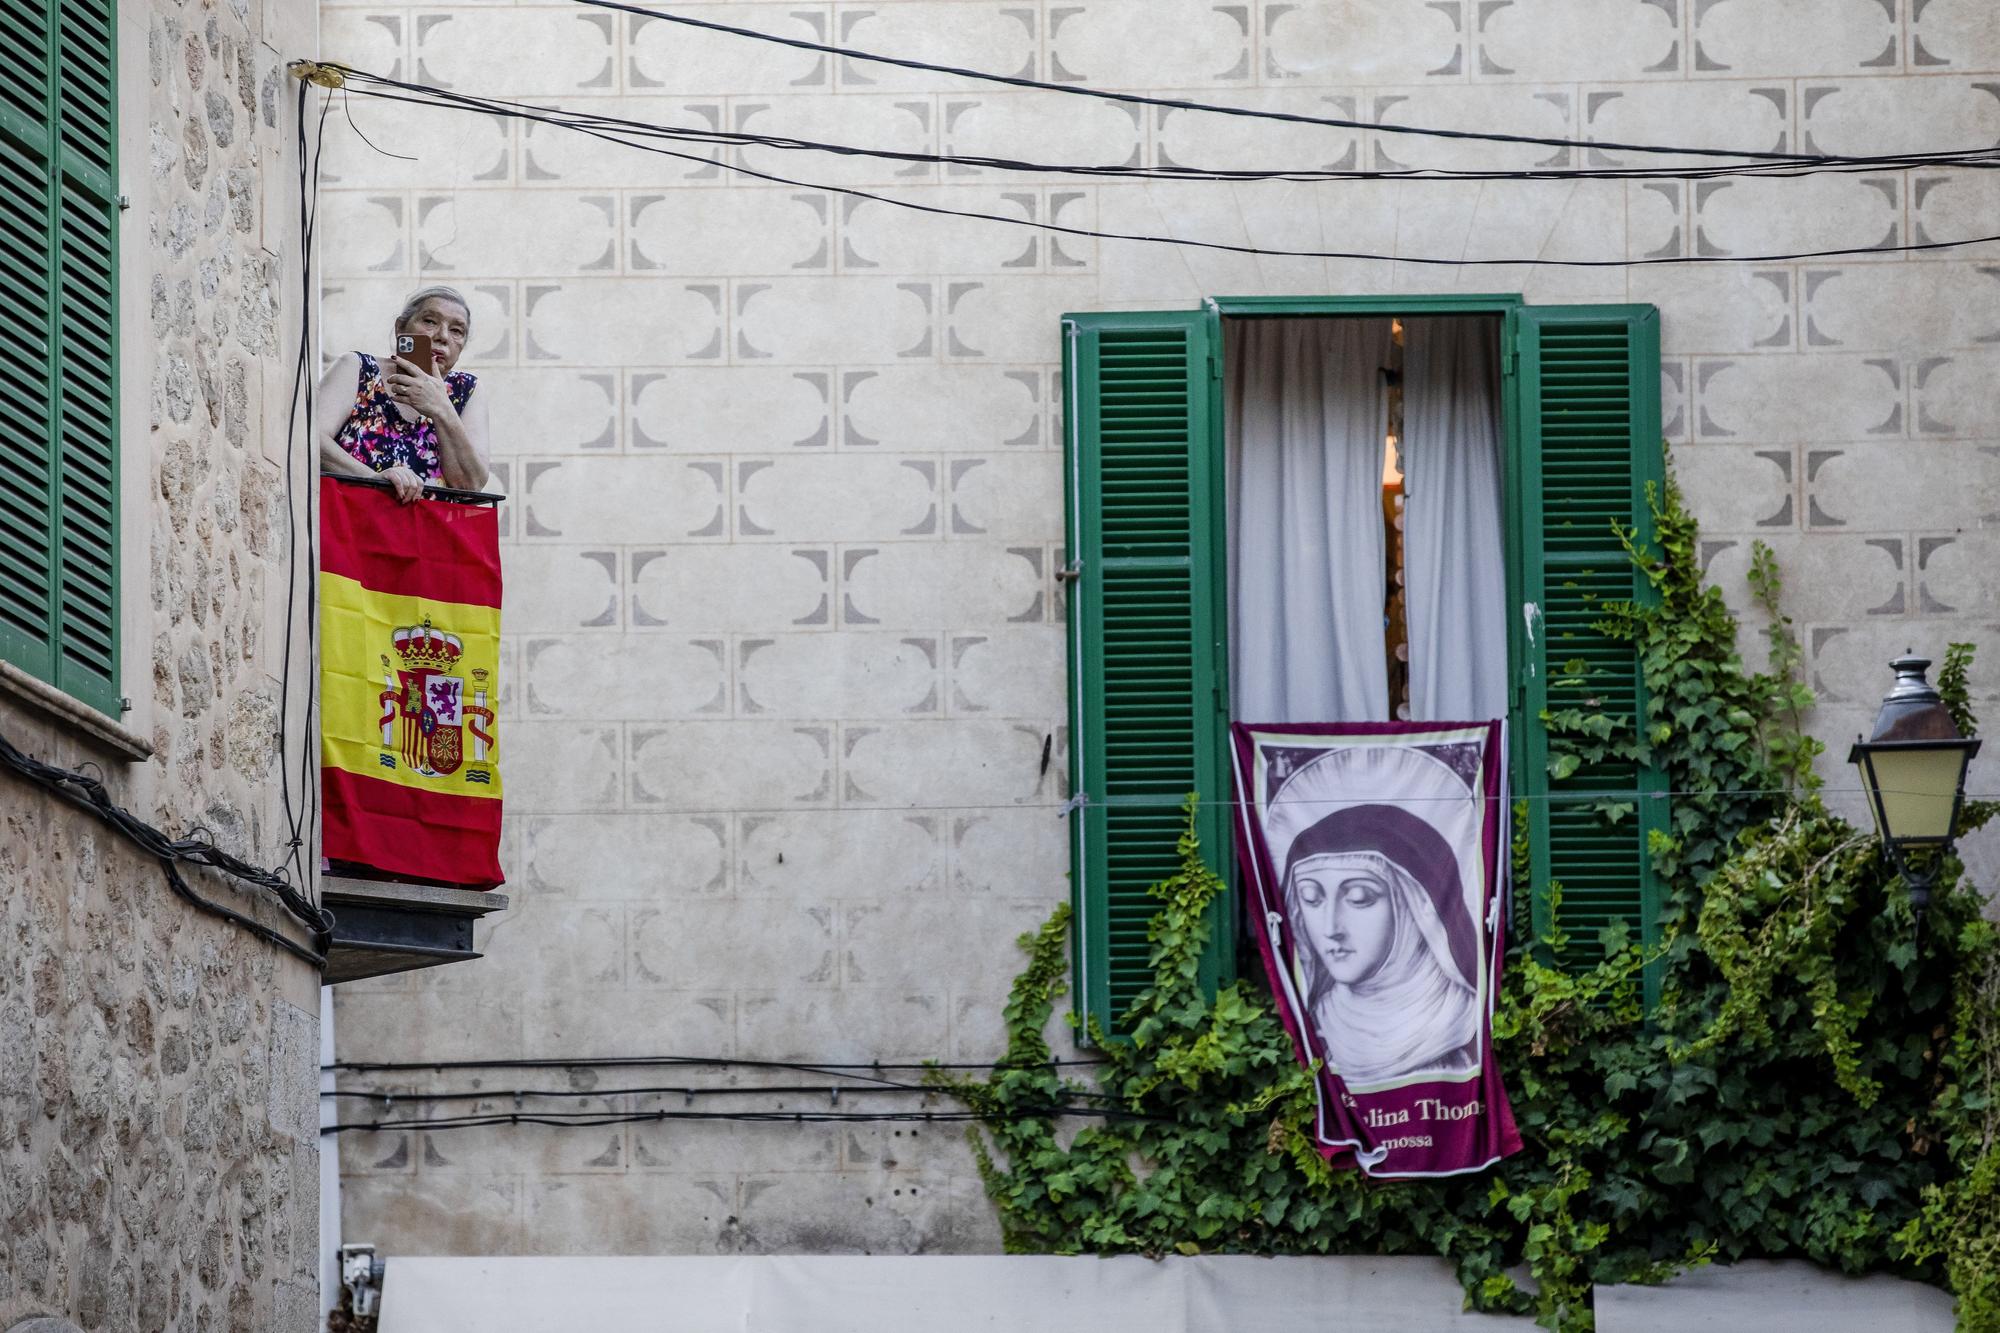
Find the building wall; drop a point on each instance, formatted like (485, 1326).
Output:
(784, 644)
(158, 1142)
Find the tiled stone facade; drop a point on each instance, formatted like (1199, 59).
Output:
(785, 645)
(158, 1139)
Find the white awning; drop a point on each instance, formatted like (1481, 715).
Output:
(924, 1294)
(1042, 1294)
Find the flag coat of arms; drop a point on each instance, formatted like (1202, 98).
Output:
(1374, 855)
(409, 683)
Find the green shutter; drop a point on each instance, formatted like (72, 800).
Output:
(1147, 624)
(58, 345)
(24, 62)
(86, 85)
(88, 606)
(1588, 403)
(87, 354)
(27, 529)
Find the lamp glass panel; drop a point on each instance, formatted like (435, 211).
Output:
(1917, 790)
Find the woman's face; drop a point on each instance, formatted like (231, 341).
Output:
(1343, 911)
(447, 324)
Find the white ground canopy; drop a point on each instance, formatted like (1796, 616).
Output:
(1035, 1293)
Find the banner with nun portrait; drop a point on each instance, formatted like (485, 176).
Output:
(1375, 856)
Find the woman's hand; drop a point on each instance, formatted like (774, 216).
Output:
(409, 486)
(419, 390)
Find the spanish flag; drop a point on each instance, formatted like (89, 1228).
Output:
(409, 681)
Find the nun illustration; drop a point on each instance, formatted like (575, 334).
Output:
(1385, 945)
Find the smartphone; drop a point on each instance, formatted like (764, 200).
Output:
(416, 348)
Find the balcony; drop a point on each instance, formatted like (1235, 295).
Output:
(409, 748)
(380, 927)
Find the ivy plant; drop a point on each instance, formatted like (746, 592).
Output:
(1820, 1080)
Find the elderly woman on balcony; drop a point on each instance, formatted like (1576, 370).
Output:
(407, 423)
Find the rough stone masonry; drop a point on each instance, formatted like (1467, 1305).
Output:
(158, 1084)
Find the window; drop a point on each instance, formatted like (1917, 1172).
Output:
(58, 346)
(1149, 652)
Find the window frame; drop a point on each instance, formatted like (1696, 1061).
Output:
(1518, 491)
(1507, 306)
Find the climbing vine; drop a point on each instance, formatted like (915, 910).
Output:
(1820, 1078)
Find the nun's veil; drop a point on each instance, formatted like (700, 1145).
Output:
(1336, 803)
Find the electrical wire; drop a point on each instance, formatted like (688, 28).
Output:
(88, 793)
(427, 95)
(661, 1090)
(862, 1080)
(598, 1120)
(833, 1092)
(1227, 247)
(300, 819)
(687, 1061)
(1184, 104)
(1083, 800)
(618, 127)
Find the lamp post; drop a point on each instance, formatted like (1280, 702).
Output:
(1913, 769)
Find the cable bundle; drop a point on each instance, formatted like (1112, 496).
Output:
(1218, 108)
(861, 1080)
(88, 793)
(647, 137)
(619, 129)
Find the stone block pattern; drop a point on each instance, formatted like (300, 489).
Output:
(786, 645)
(159, 1148)
(160, 1167)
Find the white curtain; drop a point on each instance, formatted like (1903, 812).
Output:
(1453, 562)
(1306, 414)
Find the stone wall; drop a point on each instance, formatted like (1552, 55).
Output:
(158, 1136)
(784, 643)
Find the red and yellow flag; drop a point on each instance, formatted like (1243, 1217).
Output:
(409, 683)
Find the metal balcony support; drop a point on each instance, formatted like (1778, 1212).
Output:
(381, 927)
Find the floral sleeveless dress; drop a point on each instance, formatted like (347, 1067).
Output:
(378, 437)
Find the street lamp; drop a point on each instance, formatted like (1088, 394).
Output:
(1913, 769)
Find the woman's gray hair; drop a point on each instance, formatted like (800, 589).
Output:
(417, 299)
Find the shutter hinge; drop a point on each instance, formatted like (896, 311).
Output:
(1073, 804)
(124, 202)
(1070, 572)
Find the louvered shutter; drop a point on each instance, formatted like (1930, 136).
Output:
(1588, 397)
(88, 606)
(27, 363)
(1147, 622)
(27, 525)
(58, 345)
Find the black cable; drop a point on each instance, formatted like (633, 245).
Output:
(315, 957)
(292, 819)
(685, 1061)
(308, 760)
(662, 1090)
(589, 1120)
(300, 821)
(89, 793)
(612, 127)
(1262, 251)
(1183, 104)
(591, 1094)
(348, 111)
